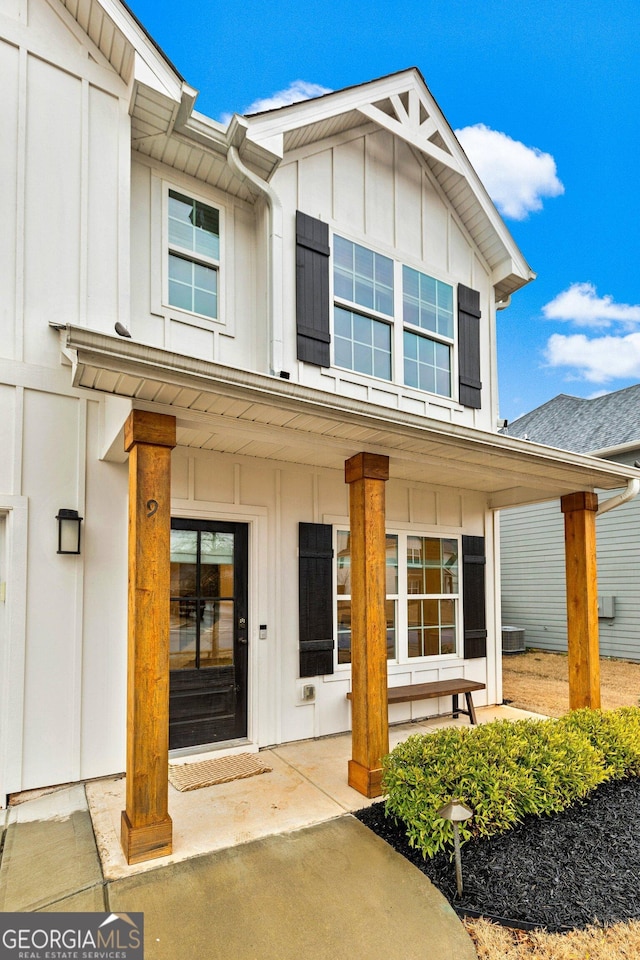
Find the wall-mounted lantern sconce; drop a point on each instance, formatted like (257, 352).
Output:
(68, 531)
(457, 813)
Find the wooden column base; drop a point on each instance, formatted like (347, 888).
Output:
(146, 842)
(365, 781)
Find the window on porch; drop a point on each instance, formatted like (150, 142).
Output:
(422, 596)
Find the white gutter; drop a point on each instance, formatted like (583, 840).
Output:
(274, 258)
(632, 490)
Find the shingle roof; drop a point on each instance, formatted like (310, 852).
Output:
(584, 426)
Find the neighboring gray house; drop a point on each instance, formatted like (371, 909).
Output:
(533, 572)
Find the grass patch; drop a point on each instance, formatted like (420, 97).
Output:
(493, 942)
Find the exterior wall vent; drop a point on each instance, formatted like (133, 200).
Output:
(513, 640)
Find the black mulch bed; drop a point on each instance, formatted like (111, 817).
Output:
(557, 872)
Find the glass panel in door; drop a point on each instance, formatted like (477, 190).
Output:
(208, 643)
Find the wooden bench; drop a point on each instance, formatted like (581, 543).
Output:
(438, 688)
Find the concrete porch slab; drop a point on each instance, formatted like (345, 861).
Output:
(308, 784)
(216, 817)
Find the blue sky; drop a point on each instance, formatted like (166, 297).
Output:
(559, 79)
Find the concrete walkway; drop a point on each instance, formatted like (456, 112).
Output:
(324, 892)
(269, 868)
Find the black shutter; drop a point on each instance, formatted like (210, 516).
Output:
(469, 346)
(473, 597)
(312, 290)
(315, 570)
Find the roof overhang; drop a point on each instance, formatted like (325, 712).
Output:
(402, 104)
(166, 127)
(239, 412)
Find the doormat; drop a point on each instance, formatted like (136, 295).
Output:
(207, 773)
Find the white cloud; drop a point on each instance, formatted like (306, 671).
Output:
(294, 93)
(581, 304)
(516, 177)
(596, 360)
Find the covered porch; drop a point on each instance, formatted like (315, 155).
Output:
(168, 400)
(306, 786)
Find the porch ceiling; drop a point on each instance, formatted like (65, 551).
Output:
(239, 412)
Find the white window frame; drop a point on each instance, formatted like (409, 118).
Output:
(396, 322)
(167, 247)
(402, 597)
(431, 335)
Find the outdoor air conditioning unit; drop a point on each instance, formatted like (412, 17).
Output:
(513, 640)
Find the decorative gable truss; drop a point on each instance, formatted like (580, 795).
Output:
(406, 115)
(403, 105)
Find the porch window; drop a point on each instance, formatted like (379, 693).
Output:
(343, 588)
(193, 255)
(422, 596)
(432, 592)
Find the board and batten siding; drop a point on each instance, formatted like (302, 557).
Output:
(238, 337)
(372, 189)
(66, 674)
(533, 576)
(274, 498)
(65, 157)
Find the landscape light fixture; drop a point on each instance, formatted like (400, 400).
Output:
(68, 531)
(457, 813)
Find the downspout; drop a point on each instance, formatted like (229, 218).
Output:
(274, 258)
(632, 490)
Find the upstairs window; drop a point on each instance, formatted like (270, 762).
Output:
(427, 304)
(390, 321)
(362, 279)
(387, 319)
(194, 255)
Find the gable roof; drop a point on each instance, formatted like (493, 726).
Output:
(165, 126)
(403, 104)
(584, 426)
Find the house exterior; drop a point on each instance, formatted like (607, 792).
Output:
(533, 589)
(289, 473)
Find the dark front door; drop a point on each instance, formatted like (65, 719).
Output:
(209, 632)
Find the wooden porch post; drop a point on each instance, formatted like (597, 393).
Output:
(366, 474)
(579, 511)
(146, 829)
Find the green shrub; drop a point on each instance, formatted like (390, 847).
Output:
(502, 770)
(615, 733)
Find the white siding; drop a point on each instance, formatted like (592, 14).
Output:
(9, 165)
(52, 206)
(273, 498)
(64, 249)
(83, 242)
(372, 189)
